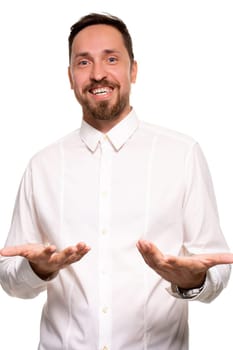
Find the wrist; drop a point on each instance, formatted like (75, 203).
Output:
(198, 283)
(44, 275)
(189, 293)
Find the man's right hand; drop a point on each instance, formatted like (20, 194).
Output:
(45, 261)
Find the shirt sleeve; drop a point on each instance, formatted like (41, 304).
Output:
(16, 276)
(202, 232)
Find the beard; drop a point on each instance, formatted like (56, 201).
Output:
(104, 110)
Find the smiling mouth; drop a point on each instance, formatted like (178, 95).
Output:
(101, 91)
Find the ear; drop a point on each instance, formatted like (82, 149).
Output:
(70, 78)
(134, 70)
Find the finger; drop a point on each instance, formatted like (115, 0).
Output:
(70, 254)
(151, 254)
(149, 250)
(215, 259)
(144, 246)
(48, 250)
(82, 248)
(200, 262)
(11, 251)
(19, 250)
(224, 258)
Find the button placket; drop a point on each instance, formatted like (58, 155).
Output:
(105, 284)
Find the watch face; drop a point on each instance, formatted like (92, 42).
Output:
(190, 293)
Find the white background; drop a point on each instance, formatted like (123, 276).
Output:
(185, 54)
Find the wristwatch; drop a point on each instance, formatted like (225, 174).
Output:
(189, 293)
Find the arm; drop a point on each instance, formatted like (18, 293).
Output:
(205, 254)
(25, 268)
(33, 265)
(186, 272)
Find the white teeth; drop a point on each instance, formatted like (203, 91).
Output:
(101, 91)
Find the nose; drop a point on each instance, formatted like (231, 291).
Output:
(98, 71)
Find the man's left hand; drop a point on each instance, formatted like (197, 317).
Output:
(184, 271)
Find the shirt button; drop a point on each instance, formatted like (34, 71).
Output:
(104, 194)
(104, 231)
(103, 272)
(105, 309)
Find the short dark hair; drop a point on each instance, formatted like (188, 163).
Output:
(100, 18)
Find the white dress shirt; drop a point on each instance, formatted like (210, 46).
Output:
(137, 181)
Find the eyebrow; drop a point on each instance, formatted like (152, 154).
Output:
(88, 54)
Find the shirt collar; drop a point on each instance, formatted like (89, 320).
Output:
(118, 135)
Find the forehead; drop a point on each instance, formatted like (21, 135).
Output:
(98, 37)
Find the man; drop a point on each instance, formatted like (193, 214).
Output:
(95, 203)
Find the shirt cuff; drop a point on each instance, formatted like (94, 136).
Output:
(217, 278)
(29, 277)
(188, 294)
(205, 290)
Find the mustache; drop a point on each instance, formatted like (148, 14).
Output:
(100, 83)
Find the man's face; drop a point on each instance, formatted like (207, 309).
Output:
(101, 73)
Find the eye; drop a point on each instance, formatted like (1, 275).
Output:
(83, 63)
(112, 59)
